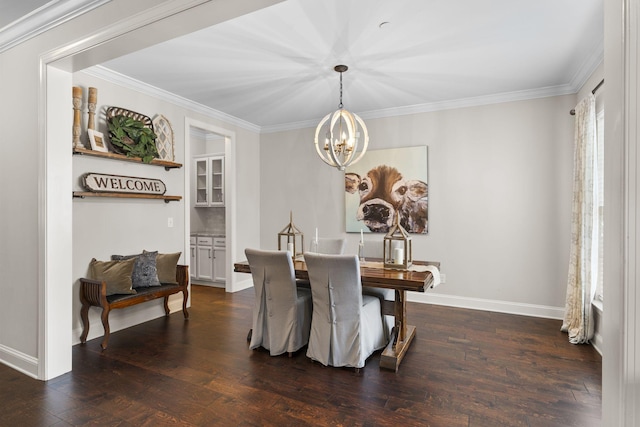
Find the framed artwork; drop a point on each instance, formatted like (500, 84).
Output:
(97, 141)
(386, 184)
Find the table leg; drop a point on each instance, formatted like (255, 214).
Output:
(401, 338)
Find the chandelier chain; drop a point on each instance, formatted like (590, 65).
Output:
(340, 105)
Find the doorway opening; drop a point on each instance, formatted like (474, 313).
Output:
(210, 216)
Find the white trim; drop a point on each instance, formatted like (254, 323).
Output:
(597, 340)
(621, 331)
(43, 19)
(589, 66)
(19, 361)
(230, 190)
(523, 95)
(147, 89)
(522, 309)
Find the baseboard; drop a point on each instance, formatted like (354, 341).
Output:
(522, 309)
(242, 285)
(596, 342)
(19, 361)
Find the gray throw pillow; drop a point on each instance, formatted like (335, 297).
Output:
(145, 273)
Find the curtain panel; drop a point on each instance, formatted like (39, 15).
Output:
(583, 262)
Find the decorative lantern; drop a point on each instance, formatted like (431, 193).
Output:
(397, 251)
(294, 239)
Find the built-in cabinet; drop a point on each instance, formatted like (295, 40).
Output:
(219, 261)
(209, 181)
(204, 261)
(208, 258)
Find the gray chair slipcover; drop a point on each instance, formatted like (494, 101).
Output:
(374, 250)
(333, 246)
(326, 245)
(281, 312)
(346, 327)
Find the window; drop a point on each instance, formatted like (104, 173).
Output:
(599, 190)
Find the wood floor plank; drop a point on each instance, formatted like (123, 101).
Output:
(464, 368)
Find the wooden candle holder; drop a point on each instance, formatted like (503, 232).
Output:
(77, 103)
(91, 105)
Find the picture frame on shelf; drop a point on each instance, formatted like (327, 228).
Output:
(97, 141)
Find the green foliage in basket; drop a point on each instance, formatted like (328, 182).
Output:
(133, 138)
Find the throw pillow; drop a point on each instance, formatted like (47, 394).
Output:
(167, 266)
(145, 273)
(117, 274)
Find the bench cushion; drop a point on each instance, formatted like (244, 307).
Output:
(145, 273)
(117, 275)
(141, 292)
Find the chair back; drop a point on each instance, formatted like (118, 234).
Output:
(336, 291)
(276, 316)
(333, 246)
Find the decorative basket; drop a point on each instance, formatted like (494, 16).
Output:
(118, 111)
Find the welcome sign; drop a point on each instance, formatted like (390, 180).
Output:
(103, 183)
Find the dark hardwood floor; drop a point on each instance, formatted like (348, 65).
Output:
(465, 368)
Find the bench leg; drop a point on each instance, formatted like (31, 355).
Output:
(166, 305)
(84, 315)
(185, 296)
(105, 324)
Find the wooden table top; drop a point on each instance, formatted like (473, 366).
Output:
(372, 275)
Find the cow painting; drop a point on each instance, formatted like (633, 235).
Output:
(384, 194)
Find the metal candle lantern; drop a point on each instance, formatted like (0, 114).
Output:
(397, 251)
(292, 236)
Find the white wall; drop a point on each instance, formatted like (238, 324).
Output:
(102, 227)
(499, 198)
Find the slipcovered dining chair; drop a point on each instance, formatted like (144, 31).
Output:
(333, 246)
(374, 250)
(326, 245)
(282, 311)
(346, 327)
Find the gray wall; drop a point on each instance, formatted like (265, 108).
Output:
(499, 198)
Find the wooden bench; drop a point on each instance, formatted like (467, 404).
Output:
(94, 293)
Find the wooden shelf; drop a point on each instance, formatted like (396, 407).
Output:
(167, 199)
(115, 156)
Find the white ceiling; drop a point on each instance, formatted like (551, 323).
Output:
(274, 68)
(12, 10)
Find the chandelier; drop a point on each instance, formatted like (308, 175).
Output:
(341, 134)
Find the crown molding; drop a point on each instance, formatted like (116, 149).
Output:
(567, 89)
(588, 67)
(44, 18)
(439, 106)
(125, 81)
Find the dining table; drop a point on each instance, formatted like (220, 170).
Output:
(416, 278)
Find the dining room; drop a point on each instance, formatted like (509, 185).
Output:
(499, 218)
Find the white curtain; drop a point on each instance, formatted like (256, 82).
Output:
(583, 262)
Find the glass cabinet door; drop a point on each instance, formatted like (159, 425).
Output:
(202, 187)
(217, 181)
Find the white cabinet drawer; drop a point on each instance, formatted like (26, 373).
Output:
(192, 240)
(219, 242)
(205, 240)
